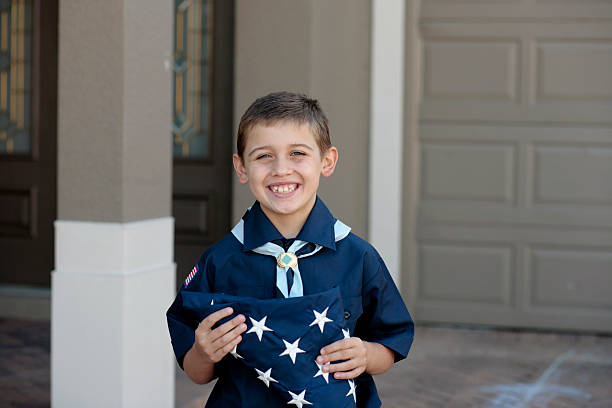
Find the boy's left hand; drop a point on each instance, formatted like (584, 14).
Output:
(353, 352)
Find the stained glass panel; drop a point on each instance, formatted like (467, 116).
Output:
(15, 76)
(191, 77)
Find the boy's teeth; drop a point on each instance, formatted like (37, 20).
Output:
(284, 189)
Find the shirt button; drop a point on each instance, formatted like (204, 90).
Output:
(347, 315)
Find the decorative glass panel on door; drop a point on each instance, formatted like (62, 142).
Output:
(191, 99)
(15, 76)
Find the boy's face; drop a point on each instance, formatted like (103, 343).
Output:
(282, 165)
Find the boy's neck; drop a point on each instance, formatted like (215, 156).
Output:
(289, 225)
(288, 229)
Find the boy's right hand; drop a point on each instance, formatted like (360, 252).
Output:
(213, 344)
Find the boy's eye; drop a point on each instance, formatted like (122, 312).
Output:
(262, 156)
(297, 153)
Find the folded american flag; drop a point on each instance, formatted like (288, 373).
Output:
(283, 339)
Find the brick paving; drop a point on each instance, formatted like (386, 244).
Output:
(24, 364)
(447, 367)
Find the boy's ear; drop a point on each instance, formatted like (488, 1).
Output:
(330, 158)
(240, 169)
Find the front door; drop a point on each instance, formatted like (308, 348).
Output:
(28, 95)
(202, 127)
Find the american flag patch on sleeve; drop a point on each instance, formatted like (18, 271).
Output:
(191, 275)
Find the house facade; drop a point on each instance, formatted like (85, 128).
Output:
(475, 142)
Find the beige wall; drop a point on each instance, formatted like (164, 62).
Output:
(411, 146)
(321, 49)
(114, 160)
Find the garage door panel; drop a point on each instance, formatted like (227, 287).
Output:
(526, 176)
(570, 277)
(515, 143)
(553, 113)
(542, 216)
(515, 193)
(487, 132)
(567, 175)
(573, 70)
(468, 171)
(536, 277)
(470, 68)
(522, 71)
(501, 234)
(455, 272)
(516, 9)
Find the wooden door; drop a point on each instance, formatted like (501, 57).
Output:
(515, 209)
(202, 128)
(28, 142)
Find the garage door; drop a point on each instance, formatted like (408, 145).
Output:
(515, 182)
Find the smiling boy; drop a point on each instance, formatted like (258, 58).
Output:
(283, 148)
(281, 163)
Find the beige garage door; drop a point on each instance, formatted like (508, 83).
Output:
(515, 185)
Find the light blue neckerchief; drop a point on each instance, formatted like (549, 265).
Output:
(341, 231)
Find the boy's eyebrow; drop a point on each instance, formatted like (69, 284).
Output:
(302, 145)
(291, 145)
(256, 149)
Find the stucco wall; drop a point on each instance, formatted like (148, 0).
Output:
(321, 49)
(114, 160)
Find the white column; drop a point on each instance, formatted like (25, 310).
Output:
(111, 287)
(386, 131)
(114, 274)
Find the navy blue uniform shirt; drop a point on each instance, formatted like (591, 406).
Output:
(373, 308)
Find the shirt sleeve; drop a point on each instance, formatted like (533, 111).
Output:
(181, 323)
(385, 318)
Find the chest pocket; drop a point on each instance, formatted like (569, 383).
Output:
(353, 309)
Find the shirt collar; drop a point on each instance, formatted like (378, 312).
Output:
(318, 228)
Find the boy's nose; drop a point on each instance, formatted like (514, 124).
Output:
(282, 166)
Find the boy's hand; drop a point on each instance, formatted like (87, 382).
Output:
(353, 351)
(213, 344)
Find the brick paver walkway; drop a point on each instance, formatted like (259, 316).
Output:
(446, 368)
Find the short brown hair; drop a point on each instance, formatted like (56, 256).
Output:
(285, 106)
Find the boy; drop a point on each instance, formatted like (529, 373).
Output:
(283, 148)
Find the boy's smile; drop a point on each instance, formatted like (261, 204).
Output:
(282, 165)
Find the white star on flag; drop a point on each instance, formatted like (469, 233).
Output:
(320, 372)
(298, 400)
(346, 333)
(259, 327)
(234, 352)
(266, 377)
(352, 390)
(212, 302)
(291, 350)
(321, 319)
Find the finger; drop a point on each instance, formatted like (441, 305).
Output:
(335, 346)
(345, 354)
(229, 336)
(344, 366)
(347, 375)
(221, 352)
(210, 320)
(227, 327)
